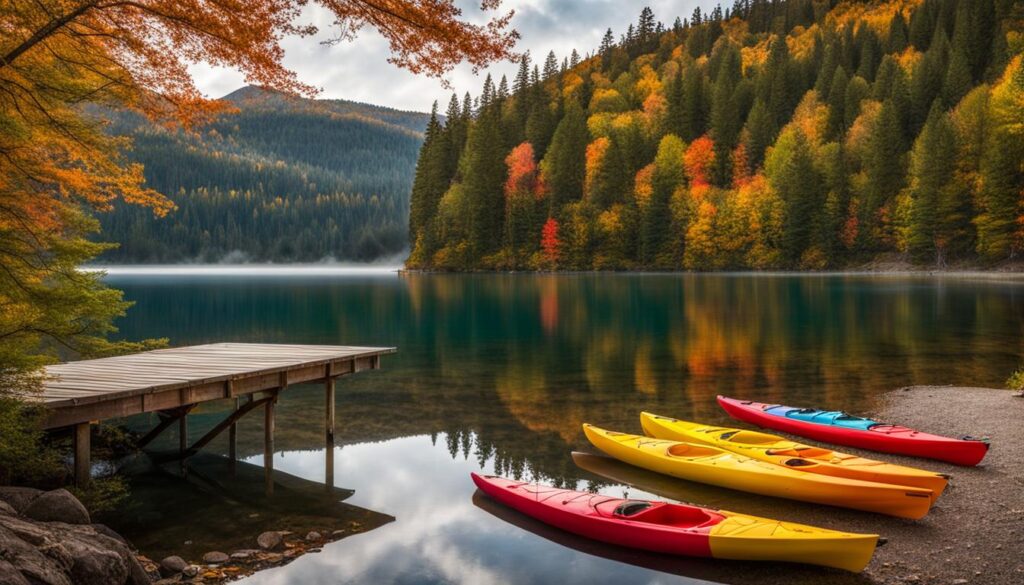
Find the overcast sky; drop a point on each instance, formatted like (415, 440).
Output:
(359, 70)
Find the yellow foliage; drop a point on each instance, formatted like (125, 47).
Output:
(876, 15)
(643, 188)
(648, 83)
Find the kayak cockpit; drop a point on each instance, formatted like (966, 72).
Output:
(665, 514)
(692, 451)
(749, 438)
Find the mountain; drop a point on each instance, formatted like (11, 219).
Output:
(777, 134)
(282, 179)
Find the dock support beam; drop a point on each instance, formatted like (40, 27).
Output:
(83, 461)
(329, 434)
(233, 440)
(268, 444)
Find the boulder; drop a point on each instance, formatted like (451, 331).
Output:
(215, 558)
(270, 540)
(172, 565)
(18, 497)
(10, 575)
(45, 552)
(57, 506)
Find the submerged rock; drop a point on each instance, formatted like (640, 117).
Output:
(269, 540)
(215, 558)
(172, 565)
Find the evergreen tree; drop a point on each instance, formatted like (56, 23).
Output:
(897, 40)
(973, 32)
(550, 66)
(791, 172)
(564, 165)
(725, 123)
(884, 173)
(837, 121)
(935, 215)
(655, 217)
(426, 191)
(482, 179)
(957, 81)
(759, 133)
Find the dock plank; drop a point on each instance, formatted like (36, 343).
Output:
(119, 380)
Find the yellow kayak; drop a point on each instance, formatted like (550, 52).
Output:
(797, 456)
(711, 465)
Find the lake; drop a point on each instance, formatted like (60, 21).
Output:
(497, 372)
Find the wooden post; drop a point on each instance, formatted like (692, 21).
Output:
(268, 445)
(83, 461)
(183, 441)
(329, 434)
(233, 440)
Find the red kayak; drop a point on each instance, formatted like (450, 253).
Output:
(680, 529)
(837, 427)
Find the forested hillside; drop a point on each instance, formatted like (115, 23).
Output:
(282, 179)
(775, 134)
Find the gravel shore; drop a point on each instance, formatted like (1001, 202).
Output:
(975, 532)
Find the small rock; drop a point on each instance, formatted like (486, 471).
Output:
(912, 578)
(190, 571)
(274, 558)
(269, 540)
(57, 506)
(241, 555)
(172, 565)
(215, 558)
(338, 533)
(313, 536)
(960, 581)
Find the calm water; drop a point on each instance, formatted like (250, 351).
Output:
(496, 372)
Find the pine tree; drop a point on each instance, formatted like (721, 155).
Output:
(427, 189)
(564, 165)
(897, 40)
(857, 90)
(605, 50)
(957, 81)
(574, 59)
(725, 124)
(482, 179)
(885, 174)
(973, 32)
(791, 172)
(826, 72)
(645, 30)
(933, 195)
(655, 217)
(837, 104)
(759, 133)
(550, 66)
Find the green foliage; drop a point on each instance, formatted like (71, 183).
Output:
(284, 179)
(1016, 380)
(809, 147)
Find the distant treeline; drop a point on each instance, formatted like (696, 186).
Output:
(283, 179)
(775, 134)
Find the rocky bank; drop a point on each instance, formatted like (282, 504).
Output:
(47, 538)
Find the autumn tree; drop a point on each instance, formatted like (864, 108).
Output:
(57, 164)
(523, 191)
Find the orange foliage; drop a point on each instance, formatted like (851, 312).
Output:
(699, 158)
(523, 175)
(740, 172)
(550, 245)
(643, 184)
(595, 157)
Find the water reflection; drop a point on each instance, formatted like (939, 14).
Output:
(441, 536)
(498, 372)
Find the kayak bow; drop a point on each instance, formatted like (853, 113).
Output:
(681, 529)
(796, 456)
(711, 465)
(842, 429)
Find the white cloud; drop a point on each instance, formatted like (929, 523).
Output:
(359, 70)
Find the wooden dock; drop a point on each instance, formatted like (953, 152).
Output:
(173, 381)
